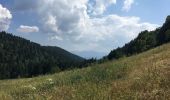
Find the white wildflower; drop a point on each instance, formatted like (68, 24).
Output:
(49, 79)
(33, 88)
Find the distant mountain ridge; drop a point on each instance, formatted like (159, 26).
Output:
(22, 58)
(146, 40)
(90, 54)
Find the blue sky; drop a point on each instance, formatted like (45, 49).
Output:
(89, 28)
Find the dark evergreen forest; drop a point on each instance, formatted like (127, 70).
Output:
(22, 58)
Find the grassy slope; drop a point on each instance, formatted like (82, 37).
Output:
(142, 77)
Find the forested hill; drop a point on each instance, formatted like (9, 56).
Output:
(146, 40)
(22, 58)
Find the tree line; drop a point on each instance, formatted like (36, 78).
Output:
(146, 40)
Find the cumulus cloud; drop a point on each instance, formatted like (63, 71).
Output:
(127, 5)
(27, 29)
(106, 33)
(70, 24)
(98, 7)
(62, 17)
(5, 17)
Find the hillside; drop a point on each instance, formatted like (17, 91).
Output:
(146, 40)
(141, 77)
(22, 58)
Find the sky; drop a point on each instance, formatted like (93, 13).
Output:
(89, 28)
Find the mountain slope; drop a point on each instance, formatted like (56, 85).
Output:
(22, 58)
(146, 40)
(141, 77)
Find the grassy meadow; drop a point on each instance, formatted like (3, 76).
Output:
(145, 76)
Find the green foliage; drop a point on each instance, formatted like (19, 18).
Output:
(23, 58)
(162, 34)
(167, 35)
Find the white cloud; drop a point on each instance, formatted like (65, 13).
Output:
(127, 5)
(56, 38)
(27, 29)
(106, 33)
(62, 16)
(98, 7)
(5, 17)
(69, 23)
